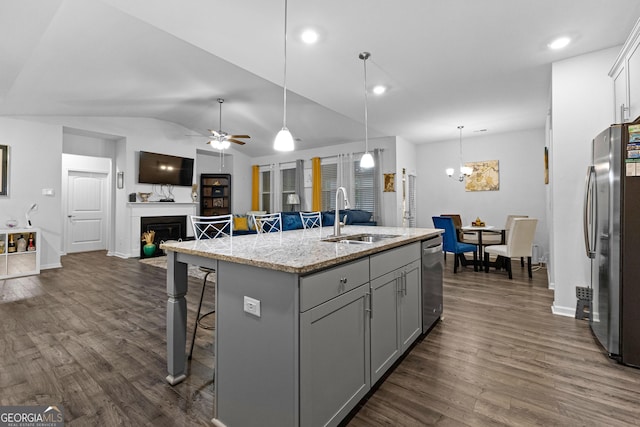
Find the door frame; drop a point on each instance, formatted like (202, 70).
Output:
(86, 164)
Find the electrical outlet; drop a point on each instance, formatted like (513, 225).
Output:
(252, 306)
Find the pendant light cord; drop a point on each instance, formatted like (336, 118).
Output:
(220, 101)
(366, 116)
(460, 127)
(284, 119)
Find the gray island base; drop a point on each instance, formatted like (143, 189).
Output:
(333, 318)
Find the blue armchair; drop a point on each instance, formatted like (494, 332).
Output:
(450, 242)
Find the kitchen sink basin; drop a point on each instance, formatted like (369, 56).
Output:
(360, 238)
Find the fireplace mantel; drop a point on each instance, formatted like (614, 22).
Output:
(138, 210)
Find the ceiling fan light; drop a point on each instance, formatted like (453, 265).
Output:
(283, 141)
(367, 161)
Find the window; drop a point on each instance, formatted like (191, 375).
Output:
(364, 188)
(265, 190)
(288, 180)
(329, 185)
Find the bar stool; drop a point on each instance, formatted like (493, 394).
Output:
(208, 227)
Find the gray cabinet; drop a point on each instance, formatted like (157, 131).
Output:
(356, 320)
(395, 306)
(334, 358)
(334, 342)
(410, 305)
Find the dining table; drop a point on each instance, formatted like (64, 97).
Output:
(479, 230)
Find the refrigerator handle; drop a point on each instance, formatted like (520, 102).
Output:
(590, 202)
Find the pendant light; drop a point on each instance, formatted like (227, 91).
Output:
(284, 139)
(464, 170)
(367, 159)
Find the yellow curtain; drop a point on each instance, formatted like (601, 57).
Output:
(316, 189)
(255, 192)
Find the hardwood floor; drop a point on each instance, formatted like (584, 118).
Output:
(91, 336)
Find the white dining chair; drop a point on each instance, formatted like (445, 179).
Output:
(268, 223)
(208, 227)
(311, 219)
(519, 244)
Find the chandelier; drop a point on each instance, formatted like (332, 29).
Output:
(465, 171)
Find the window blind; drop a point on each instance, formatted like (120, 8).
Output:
(329, 185)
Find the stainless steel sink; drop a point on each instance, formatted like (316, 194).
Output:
(360, 238)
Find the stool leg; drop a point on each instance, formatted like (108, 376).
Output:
(195, 326)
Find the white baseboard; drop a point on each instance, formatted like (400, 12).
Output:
(50, 266)
(120, 255)
(563, 311)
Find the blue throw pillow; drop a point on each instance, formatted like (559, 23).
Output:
(328, 218)
(291, 221)
(355, 216)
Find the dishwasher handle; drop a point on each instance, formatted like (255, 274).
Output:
(426, 250)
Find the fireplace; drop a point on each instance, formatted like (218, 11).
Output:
(166, 228)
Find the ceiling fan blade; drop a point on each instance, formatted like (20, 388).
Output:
(238, 136)
(215, 133)
(236, 141)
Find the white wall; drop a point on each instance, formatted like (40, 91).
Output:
(522, 188)
(582, 106)
(34, 164)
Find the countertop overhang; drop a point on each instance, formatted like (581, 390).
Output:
(299, 251)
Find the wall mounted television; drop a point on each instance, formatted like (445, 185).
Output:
(155, 168)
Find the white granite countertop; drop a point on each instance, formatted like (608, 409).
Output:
(299, 251)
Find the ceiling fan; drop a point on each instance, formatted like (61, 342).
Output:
(221, 140)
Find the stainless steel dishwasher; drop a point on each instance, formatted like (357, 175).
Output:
(432, 267)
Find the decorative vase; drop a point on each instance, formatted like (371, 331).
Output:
(149, 249)
(194, 196)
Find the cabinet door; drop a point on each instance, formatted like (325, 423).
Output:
(620, 95)
(334, 358)
(633, 79)
(385, 344)
(410, 305)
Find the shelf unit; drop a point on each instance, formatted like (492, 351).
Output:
(215, 194)
(23, 263)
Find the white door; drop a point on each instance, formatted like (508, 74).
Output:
(86, 211)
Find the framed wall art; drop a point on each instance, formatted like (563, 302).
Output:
(389, 182)
(485, 176)
(4, 170)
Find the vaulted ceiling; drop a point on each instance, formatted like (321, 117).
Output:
(482, 64)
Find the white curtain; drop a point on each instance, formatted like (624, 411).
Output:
(276, 196)
(300, 182)
(377, 190)
(346, 175)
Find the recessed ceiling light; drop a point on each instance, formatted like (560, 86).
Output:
(309, 36)
(379, 89)
(559, 43)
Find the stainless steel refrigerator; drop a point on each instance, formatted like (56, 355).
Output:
(612, 240)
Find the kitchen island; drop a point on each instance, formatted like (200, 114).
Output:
(304, 327)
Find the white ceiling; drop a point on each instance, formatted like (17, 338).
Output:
(483, 64)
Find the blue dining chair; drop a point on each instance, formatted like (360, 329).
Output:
(450, 242)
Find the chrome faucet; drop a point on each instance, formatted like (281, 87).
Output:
(336, 220)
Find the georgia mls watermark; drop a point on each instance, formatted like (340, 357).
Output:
(31, 416)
